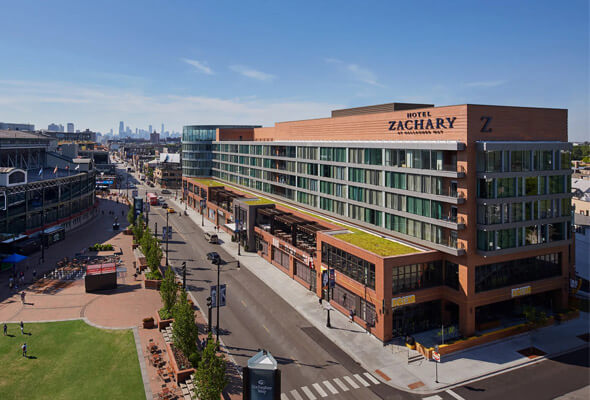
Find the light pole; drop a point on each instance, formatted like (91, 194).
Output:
(328, 324)
(42, 224)
(217, 261)
(238, 235)
(167, 236)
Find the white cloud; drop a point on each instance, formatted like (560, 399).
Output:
(484, 84)
(356, 72)
(252, 73)
(102, 107)
(202, 67)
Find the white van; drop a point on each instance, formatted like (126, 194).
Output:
(211, 237)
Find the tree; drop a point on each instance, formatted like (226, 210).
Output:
(168, 292)
(184, 331)
(131, 214)
(154, 256)
(210, 374)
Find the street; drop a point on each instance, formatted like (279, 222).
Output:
(312, 366)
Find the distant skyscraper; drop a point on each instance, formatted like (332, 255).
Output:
(162, 131)
(121, 128)
(53, 127)
(150, 129)
(70, 127)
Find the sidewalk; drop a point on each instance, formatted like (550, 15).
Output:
(390, 362)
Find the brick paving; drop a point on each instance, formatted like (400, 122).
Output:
(121, 308)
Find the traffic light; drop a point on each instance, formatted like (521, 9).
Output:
(209, 301)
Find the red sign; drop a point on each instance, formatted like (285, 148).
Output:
(98, 269)
(436, 356)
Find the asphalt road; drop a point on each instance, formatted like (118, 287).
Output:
(255, 317)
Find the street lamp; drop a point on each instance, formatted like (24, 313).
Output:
(328, 324)
(167, 236)
(238, 234)
(217, 297)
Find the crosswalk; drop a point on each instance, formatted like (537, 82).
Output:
(330, 387)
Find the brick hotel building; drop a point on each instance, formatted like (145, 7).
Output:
(428, 216)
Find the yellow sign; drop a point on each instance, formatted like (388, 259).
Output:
(521, 291)
(402, 301)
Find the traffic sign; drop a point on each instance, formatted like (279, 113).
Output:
(332, 278)
(436, 356)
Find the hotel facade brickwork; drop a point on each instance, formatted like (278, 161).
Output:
(478, 196)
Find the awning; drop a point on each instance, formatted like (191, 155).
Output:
(231, 226)
(14, 258)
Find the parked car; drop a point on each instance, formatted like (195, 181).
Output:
(164, 205)
(171, 210)
(166, 191)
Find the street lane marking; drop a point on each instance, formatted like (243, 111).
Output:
(319, 389)
(342, 385)
(308, 393)
(264, 326)
(296, 395)
(284, 396)
(361, 380)
(244, 303)
(330, 387)
(351, 382)
(455, 395)
(435, 397)
(371, 378)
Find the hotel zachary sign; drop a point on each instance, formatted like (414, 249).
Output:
(421, 123)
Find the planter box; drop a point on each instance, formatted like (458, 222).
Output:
(562, 317)
(148, 324)
(152, 284)
(179, 375)
(163, 323)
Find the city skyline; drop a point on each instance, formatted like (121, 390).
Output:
(508, 54)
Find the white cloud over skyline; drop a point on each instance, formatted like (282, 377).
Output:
(101, 108)
(356, 72)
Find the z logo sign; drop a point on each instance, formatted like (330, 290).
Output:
(486, 122)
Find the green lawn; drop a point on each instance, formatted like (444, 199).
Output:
(376, 244)
(207, 182)
(69, 360)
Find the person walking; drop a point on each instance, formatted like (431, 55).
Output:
(34, 275)
(22, 328)
(24, 347)
(351, 315)
(5, 329)
(22, 297)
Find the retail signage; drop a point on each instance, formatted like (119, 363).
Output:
(104, 182)
(521, 291)
(436, 356)
(402, 301)
(421, 123)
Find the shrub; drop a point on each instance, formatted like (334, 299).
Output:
(153, 275)
(164, 314)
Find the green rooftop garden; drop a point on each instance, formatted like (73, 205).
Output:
(376, 244)
(206, 182)
(254, 202)
(364, 240)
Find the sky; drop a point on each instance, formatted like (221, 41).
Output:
(261, 62)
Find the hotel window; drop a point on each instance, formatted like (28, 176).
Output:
(337, 154)
(532, 186)
(565, 159)
(331, 205)
(514, 272)
(396, 180)
(356, 175)
(451, 274)
(416, 276)
(556, 184)
(308, 153)
(307, 168)
(395, 158)
(348, 264)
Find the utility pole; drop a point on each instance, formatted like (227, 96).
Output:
(238, 235)
(42, 224)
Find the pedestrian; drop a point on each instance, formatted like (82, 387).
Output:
(10, 282)
(5, 329)
(320, 300)
(22, 328)
(351, 315)
(34, 275)
(22, 297)
(24, 347)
